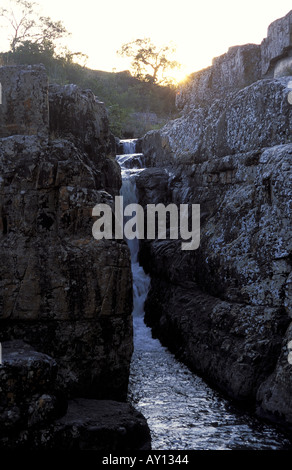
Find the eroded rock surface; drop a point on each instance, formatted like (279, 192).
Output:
(62, 292)
(24, 109)
(241, 66)
(225, 308)
(35, 414)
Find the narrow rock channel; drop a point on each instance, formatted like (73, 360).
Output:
(182, 411)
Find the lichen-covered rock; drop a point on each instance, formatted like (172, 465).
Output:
(232, 71)
(24, 109)
(239, 67)
(225, 308)
(277, 45)
(274, 400)
(257, 116)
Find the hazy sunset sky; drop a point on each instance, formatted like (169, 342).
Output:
(200, 30)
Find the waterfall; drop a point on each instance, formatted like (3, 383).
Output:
(128, 146)
(182, 411)
(141, 281)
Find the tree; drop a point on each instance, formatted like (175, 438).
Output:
(27, 27)
(149, 62)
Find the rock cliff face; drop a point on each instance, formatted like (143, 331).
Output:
(241, 66)
(65, 294)
(225, 308)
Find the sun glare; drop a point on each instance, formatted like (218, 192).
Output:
(200, 31)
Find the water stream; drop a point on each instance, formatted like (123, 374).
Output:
(182, 411)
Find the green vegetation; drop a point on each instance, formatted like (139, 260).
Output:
(135, 104)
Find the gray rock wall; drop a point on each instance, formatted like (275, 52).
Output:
(36, 415)
(241, 66)
(65, 298)
(225, 308)
(62, 291)
(277, 44)
(24, 109)
(257, 116)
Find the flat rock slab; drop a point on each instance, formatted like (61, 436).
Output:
(101, 425)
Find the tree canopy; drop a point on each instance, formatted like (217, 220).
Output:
(150, 62)
(134, 105)
(26, 26)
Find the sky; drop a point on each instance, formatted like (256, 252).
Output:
(200, 30)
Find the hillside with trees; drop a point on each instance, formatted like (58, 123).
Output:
(135, 103)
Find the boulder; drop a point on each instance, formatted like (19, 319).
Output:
(30, 391)
(35, 413)
(99, 425)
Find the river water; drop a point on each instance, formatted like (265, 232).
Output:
(182, 411)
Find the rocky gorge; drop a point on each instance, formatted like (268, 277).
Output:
(66, 299)
(225, 308)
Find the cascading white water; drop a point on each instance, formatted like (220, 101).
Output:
(182, 411)
(129, 146)
(141, 281)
